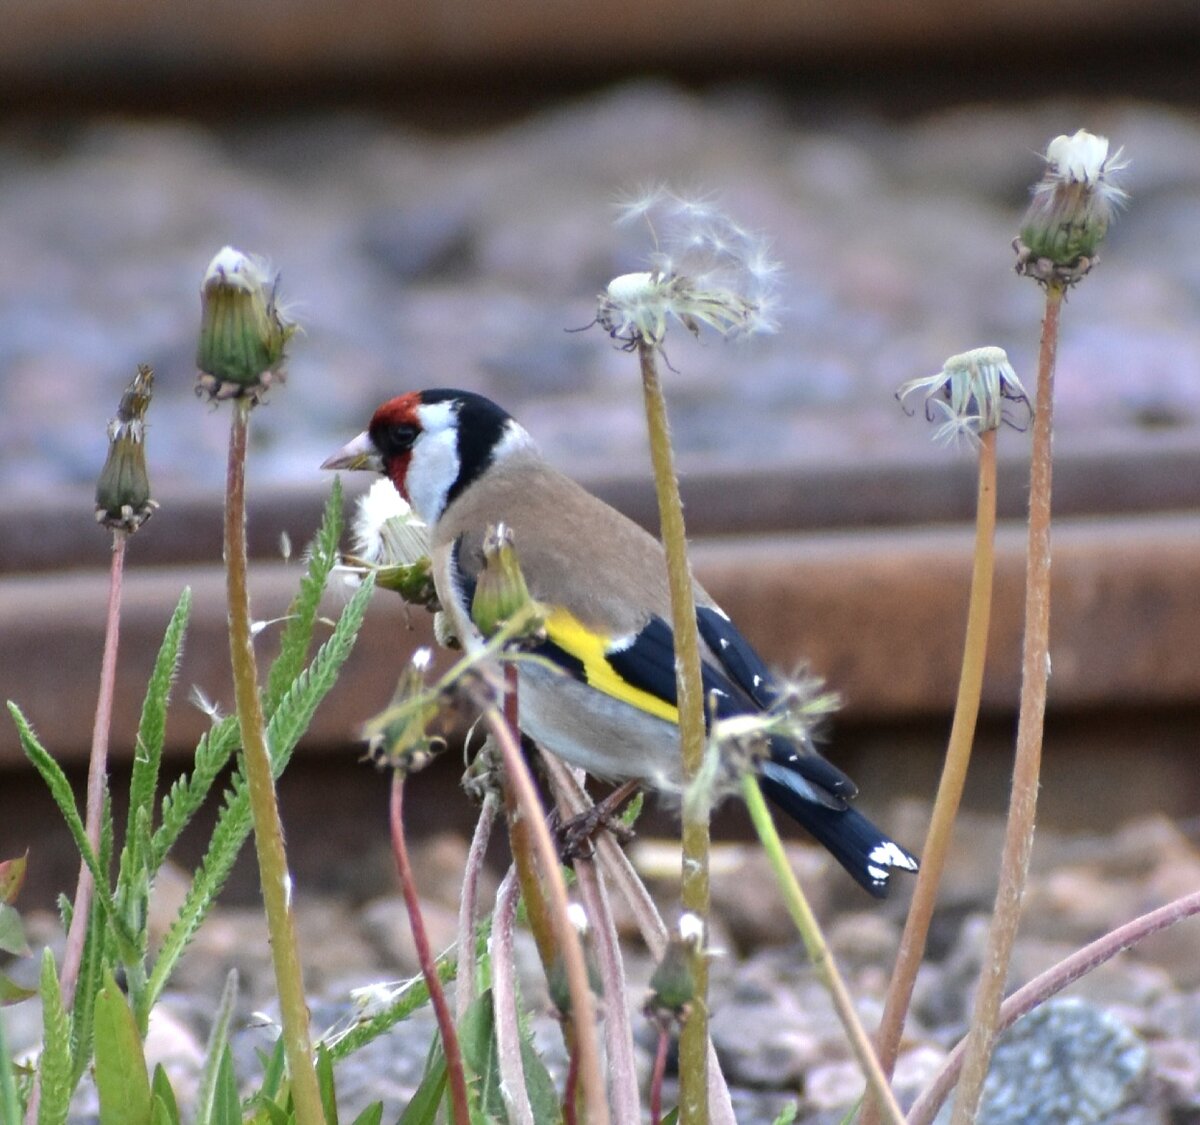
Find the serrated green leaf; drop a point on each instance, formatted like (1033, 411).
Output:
(12, 877)
(218, 1039)
(302, 614)
(135, 867)
(188, 793)
(87, 987)
(60, 790)
(54, 1066)
(372, 1115)
(121, 1077)
(12, 932)
(325, 1085)
(287, 725)
(164, 1096)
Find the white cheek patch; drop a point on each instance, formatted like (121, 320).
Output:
(434, 466)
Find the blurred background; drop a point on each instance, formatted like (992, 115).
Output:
(436, 181)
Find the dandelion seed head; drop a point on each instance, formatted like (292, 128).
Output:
(386, 530)
(970, 394)
(704, 270)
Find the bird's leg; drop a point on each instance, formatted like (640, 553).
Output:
(575, 835)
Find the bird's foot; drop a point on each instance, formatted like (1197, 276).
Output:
(575, 837)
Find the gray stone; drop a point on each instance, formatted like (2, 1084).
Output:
(1066, 1063)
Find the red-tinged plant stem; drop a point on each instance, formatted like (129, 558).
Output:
(615, 865)
(694, 892)
(528, 811)
(97, 773)
(1018, 839)
(817, 949)
(618, 1031)
(571, 1088)
(437, 995)
(476, 855)
(656, 1077)
(504, 993)
(268, 831)
(1049, 984)
(954, 775)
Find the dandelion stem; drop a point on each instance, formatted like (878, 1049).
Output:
(954, 773)
(97, 782)
(437, 995)
(268, 831)
(694, 893)
(818, 951)
(526, 811)
(1018, 839)
(504, 995)
(476, 855)
(618, 1031)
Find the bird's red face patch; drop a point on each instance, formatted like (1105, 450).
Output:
(395, 426)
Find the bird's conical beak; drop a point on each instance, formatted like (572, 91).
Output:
(357, 454)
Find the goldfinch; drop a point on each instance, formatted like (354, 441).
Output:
(604, 698)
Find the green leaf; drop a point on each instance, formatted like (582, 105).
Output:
(477, 1039)
(325, 1085)
(13, 993)
(226, 1106)
(10, 1102)
(851, 1113)
(543, 1096)
(302, 614)
(372, 1115)
(160, 1112)
(218, 1039)
(273, 1070)
(54, 1067)
(60, 790)
(287, 725)
(164, 1096)
(12, 877)
(121, 1078)
(423, 1108)
(187, 794)
(91, 974)
(12, 933)
(671, 1117)
(148, 748)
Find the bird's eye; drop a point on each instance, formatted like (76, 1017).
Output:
(396, 439)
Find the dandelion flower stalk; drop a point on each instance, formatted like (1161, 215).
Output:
(1078, 183)
(980, 382)
(707, 271)
(240, 323)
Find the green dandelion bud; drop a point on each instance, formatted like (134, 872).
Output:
(501, 596)
(672, 985)
(123, 501)
(556, 978)
(400, 738)
(1071, 209)
(242, 331)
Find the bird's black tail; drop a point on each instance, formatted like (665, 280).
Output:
(863, 850)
